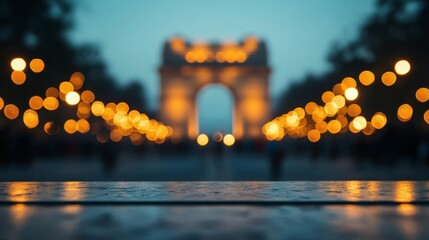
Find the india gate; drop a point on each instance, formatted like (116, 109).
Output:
(241, 67)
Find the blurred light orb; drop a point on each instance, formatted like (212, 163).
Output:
(351, 93)
(229, 140)
(70, 126)
(426, 116)
(334, 126)
(388, 78)
(1, 103)
(72, 98)
(313, 135)
(405, 113)
(379, 120)
(37, 65)
(31, 118)
(202, 139)
(359, 123)
(422, 94)
(11, 111)
(50, 103)
(18, 64)
(18, 77)
(349, 82)
(97, 108)
(217, 137)
(366, 77)
(66, 87)
(402, 67)
(51, 128)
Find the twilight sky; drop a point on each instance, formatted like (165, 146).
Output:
(299, 35)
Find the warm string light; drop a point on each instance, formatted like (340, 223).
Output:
(339, 113)
(120, 121)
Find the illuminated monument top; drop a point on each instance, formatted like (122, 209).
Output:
(189, 67)
(249, 52)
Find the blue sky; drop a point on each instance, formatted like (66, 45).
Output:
(299, 35)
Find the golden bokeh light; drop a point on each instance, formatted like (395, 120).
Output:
(339, 100)
(310, 107)
(202, 139)
(97, 108)
(351, 93)
(52, 92)
(88, 96)
(18, 64)
(313, 135)
(37, 65)
(30, 118)
(426, 116)
(11, 111)
(70, 126)
(66, 87)
(379, 120)
(388, 78)
(366, 77)
(229, 140)
(77, 80)
(18, 77)
(405, 112)
(354, 110)
(1, 103)
(83, 126)
(321, 126)
(349, 82)
(72, 98)
(35, 102)
(327, 96)
(422, 94)
(359, 123)
(122, 107)
(369, 129)
(115, 135)
(50, 103)
(402, 67)
(331, 108)
(334, 126)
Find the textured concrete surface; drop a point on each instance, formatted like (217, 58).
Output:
(128, 210)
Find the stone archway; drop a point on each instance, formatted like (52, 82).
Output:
(181, 80)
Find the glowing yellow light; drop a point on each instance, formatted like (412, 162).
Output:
(97, 108)
(310, 107)
(426, 116)
(35, 102)
(405, 113)
(351, 93)
(30, 118)
(72, 98)
(352, 128)
(359, 123)
(339, 88)
(339, 100)
(313, 135)
(18, 77)
(190, 57)
(18, 64)
(83, 126)
(379, 120)
(202, 139)
(327, 96)
(11, 111)
(272, 130)
(402, 67)
(422, 94)
(300, 112)
(66, 87)
(388, 78)
(88, 96)
(50, 103)
(1, 103)
(366, 77)
(70, 126)
(217, 137)
(331, 108)
(349, 82)
(37, 65)
(334, 126)
(122, 107)
(229, 140)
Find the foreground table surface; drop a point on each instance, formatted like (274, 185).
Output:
(214, 210)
